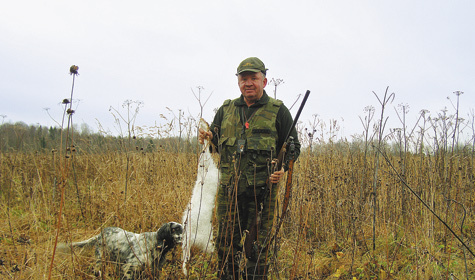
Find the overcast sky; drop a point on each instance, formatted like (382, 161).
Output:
(158, 51)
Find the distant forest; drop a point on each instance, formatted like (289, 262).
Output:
(20, 137)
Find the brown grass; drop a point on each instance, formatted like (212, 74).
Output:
(327, 233)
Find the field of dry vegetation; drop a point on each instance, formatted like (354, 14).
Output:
(354, 212)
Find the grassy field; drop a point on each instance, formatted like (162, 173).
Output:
(350, 217)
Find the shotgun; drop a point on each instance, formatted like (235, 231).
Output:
(251, 236)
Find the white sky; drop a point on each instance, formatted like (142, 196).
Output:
(157, 51)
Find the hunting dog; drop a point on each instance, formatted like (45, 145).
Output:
(133, 252)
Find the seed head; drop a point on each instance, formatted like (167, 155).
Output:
(73, 70)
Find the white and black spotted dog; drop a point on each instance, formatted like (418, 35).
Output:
(133, 251)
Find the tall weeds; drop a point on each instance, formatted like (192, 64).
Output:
(65, 163)
(335, 227)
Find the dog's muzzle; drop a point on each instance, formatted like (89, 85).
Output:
(178, 238)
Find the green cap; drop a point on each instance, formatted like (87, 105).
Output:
(252, 64)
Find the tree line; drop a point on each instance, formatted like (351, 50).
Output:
(20, 137)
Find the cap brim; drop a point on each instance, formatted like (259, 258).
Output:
(249, 70)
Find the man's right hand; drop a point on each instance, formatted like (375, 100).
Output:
(204, 135)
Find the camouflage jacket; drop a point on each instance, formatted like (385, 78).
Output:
(268, 124)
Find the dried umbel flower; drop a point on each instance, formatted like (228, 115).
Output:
(73, 70)
(66, 101)
(70, 111)
(71, 149)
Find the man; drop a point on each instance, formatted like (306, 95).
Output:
(248, 132)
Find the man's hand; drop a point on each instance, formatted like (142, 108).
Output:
(276, 176)
(204, 135)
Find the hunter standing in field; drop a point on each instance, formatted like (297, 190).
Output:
(248, 132)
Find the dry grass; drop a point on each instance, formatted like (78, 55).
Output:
(334, 209)
(326, 234)
(158, 189)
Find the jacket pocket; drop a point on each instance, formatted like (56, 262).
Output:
(257, 175)
(261, 144)
(226, 149)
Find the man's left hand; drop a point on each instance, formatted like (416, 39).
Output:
(276, 176)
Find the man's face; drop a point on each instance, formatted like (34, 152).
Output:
(252, 86)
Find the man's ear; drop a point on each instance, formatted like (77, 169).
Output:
(265, 82)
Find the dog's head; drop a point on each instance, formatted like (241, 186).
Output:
(172, 233)
(176, 230)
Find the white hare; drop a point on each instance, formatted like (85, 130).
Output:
(198, 216)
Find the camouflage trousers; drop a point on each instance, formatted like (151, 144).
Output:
(238, 206)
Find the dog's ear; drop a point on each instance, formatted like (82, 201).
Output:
(164, 229)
